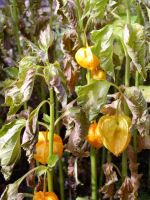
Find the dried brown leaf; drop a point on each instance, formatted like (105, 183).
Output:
(30, 179)
(126, 191)
(71, 166)
(69, 46)
(77, 126)
(138, 108)
(143, 142)
(133, 166)
(71, 69)
(30, 136)
(111, 178)
(40, 184)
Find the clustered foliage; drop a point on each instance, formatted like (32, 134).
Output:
(48, 54)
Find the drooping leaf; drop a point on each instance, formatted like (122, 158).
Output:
(138, 108)
(69, 46)
(134, 40)
(143, 142)
(126, 191)
(10, 150)
(77, 126)
(111, 178)
(30, 136)
(55, 78)
(19, 92)
(92, 97)
(46, 39)
(67, 11)
(11, 191)
(103, 48)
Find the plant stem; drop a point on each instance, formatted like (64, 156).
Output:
(61, 175)
(15, 25)
(93, 173)
(51, 137)
(102, 162)
(127, 83)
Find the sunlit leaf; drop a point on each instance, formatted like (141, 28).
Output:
(103, 48)
(92, 97)
(10, 150)
(134, 39)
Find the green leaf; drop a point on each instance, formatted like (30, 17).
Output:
(103, 48)
(10, 150)
(95, 8)
(46, 39)
(92, 97)
(52, 160)
(46, 118)
(138, 108)
(135, 42)
(25, 64)
(11, 191)
(12, 72)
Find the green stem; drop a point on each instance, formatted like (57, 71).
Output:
(108, 156)
(16, 29)
(51, 137)
(93, 173)
(61, 175)
(102, 162)
(43, 95)
(50, 180)
(127, 83)
(124, 165)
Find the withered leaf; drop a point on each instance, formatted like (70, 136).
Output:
(69, 46)
(30, 135)
(77, 126)
(126, 191)
(39, 186)
(30, 179)
(71, 161)
(71, 69)
(66, 11)
(138, 108)
(111, 178)
(133, 166)
(143, 142)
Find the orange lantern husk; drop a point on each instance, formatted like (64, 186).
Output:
(42, 147)
(93, 136)
(85, 58)
(45, 196)
(115, 133)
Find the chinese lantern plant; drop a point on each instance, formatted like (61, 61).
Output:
(93, 136)
(115, 132)
(42, 147)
